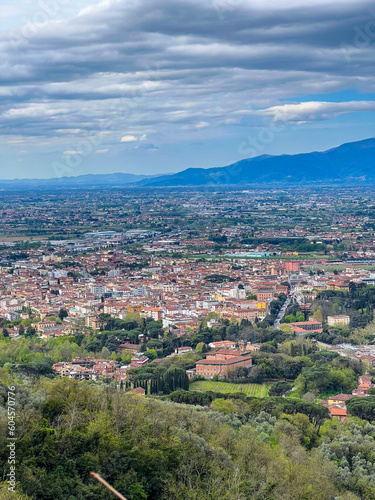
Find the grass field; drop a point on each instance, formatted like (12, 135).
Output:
(257, 390)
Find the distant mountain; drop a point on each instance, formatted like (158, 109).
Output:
(351, 163)
(118, 179)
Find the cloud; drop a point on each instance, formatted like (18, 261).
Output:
(165, 69)
(202, 125)
(71, 153)
(101, 151)
(129, 138)
(315, 110)
(32, 111)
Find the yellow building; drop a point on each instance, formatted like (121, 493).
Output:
(133, 309)
(341, 320)
(93, 322)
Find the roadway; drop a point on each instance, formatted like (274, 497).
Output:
(295, 295)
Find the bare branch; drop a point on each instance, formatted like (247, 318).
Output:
(108, 486)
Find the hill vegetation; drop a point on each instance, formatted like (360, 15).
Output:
(229, 448)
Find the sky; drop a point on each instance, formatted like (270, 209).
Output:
(158, 86)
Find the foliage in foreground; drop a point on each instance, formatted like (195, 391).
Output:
(157, 449)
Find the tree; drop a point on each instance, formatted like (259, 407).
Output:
(318, 316)
(154, 344)
(310, 397)
(363, 408)
(63, 313)
(105, 353)
(280, 388)
(199, 347)
(30, 332)
(151, 354)
(224, 406)
(6, 494)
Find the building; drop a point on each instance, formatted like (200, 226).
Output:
(139, 360)
(337, 404)
(127, 346)
(340, 320)
(228, 344)
(93, 322)
(191, 373)
(364, 386)
(113, 273)
(42, 325)
(183, 350)
(340, 399)
(304, 327)
(263, 295)
(97, 290)
(138, 390)
(221, 361)
(339, 412)
(238, 293)
(338, 285)
(154, 312)
(293, 266)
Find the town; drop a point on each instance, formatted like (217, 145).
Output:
(187, 250)
(218, 298)
(177, 272)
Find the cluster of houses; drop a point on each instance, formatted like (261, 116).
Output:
(336, 404)
(93, 369)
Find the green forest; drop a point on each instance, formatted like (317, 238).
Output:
(187, 445)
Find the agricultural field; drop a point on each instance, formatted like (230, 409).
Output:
(257, 390)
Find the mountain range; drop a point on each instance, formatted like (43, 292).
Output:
(118, 179)
(351, 163)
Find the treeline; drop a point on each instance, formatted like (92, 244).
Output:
(290, 244)
(276, 406)
(157, 380)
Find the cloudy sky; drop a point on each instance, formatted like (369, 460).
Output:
(157, 86)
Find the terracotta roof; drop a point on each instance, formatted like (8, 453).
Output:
(341, 397)
(230, 361)
(339, 412)
(138, 390)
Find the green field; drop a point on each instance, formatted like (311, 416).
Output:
(257, 390)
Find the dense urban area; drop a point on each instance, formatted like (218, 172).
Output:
(189, 343)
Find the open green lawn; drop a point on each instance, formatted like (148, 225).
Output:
(257, 390)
